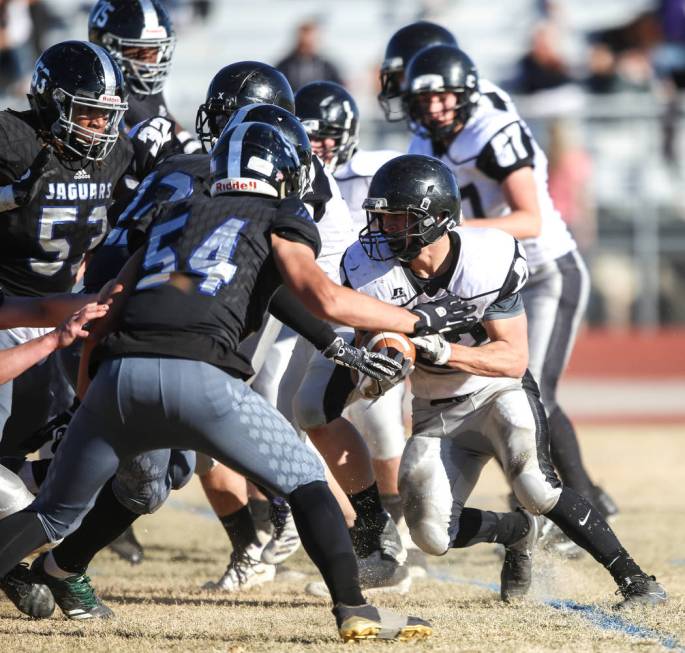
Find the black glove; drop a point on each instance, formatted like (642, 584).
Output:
(53, 431)
(377, 366)
(25, 188)
(447, 315)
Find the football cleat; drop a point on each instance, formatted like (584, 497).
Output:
(640, 589)
(285, 540)
(128, 548)
(554, 540)
(29, 596)
(356, 623)
(243, 572)
(517, 567)
(75, 595)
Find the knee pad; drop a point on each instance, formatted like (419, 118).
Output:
(143, 483)
(14, 496)
(426, 527)
(204, 463)
(181, 467)
(308, 409)
(535, 493)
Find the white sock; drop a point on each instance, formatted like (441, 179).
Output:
(51, 568)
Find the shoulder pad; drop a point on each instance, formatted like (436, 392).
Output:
(364, 163)
(362, 273)
(485, 261)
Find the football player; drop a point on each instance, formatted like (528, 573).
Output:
(60, 163)
(473, 396)
(331, 117)
(474, 128)
(204, 281)
(140, 37)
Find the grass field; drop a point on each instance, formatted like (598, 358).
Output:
(159, 606)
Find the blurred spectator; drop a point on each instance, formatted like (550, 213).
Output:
(570, 177)
(304, 64)
(16, 49)
(669, 56)
(543, 67)
(620, 58)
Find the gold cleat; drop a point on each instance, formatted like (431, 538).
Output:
(357, 623)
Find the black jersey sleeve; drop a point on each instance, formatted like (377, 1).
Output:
(287, 308)
(18, 145)
(517, 275)
(153, 140)
(320, 191)
(508, 150)
(294, 223)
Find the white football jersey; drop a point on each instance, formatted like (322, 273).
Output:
(490, 268)
(335, 225)
(494, 143)
(354, 177)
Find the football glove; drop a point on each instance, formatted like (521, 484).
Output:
(375, 365)
(373, 389)
(447, 315)
(433, 348)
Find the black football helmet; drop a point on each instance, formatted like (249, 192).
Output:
(438, 69)
(418, 188)
(140, 36)
(254, 157)
(234, 86)
(327, 110)
(286, 123)
(77, 78)
(402, 46)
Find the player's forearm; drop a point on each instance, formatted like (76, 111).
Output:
(341, 305)
(493, 359)
(520, 224)
(17, 360)
(41, 311)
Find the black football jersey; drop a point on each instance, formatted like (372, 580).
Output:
(173, 180)
(43, 243)
(142, 107)
(207, 277)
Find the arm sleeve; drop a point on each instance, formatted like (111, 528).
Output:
(288, 309)
(294, 223)
(508, 150)
(503, 309)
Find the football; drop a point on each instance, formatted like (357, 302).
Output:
(395, 342)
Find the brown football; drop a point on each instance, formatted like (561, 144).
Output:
(375, 341)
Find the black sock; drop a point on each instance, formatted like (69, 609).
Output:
(586, 526)
(565, 451)
(321, 526)
(261, 514)
(371, 519)
(393, 504)
(20, 534)
(101, 526)
(477, 526)
(240, 528)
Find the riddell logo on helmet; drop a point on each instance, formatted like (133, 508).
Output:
(110, 99)
(235, 184)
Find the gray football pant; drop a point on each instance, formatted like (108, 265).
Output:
(555, 297)
(451, 442)
(142, 404)
(30, 400)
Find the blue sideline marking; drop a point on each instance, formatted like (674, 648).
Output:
(598, 618)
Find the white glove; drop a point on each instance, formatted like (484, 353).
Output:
(434, 348)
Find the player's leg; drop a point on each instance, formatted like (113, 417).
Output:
(518, 431)
(318, 406)
(226, 491)
(275, 459)
(555, 299)
(19, 584)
